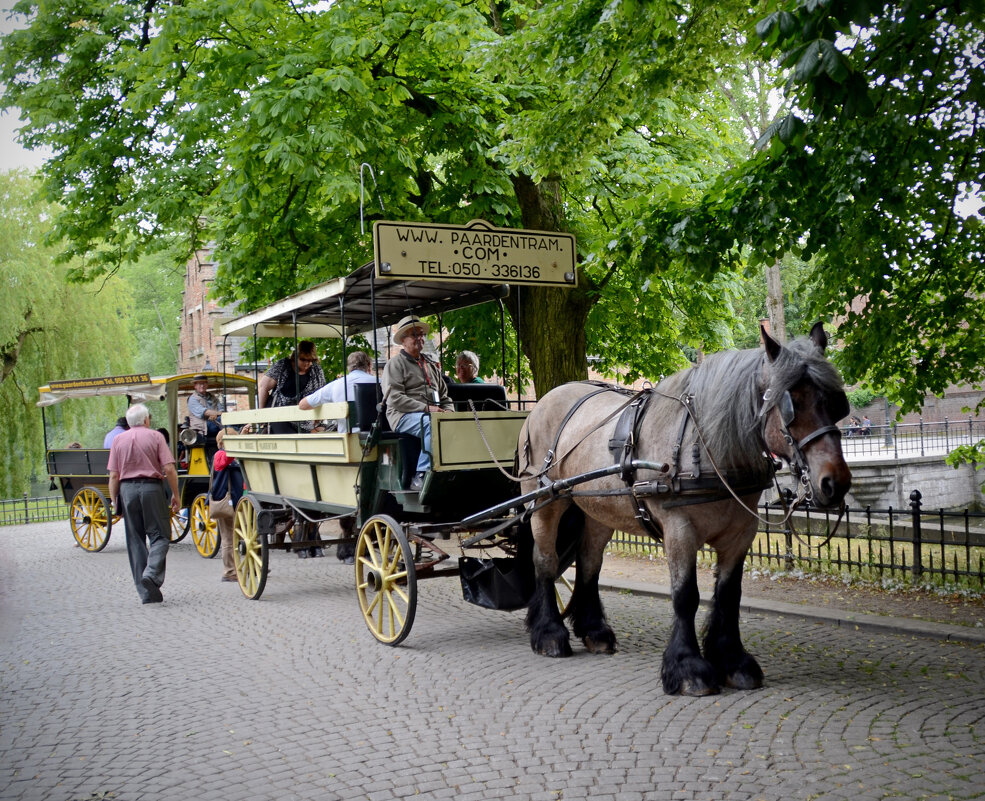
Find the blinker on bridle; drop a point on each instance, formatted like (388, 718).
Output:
(798, 461)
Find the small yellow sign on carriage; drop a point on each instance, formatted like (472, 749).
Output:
(477, 253)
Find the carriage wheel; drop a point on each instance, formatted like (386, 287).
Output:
(179, 526)
(90, 519)
(386, 580)
(250, 552)
(205, 531)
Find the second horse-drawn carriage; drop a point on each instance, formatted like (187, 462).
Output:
(82, 475)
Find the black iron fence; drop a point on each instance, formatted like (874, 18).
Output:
(910, 439)
(913, 546)
(20, 511)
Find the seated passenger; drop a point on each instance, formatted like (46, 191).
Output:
(413, 388)
(203, 408)
(288, 381)
(119, 428)
(467, 368)
(341, 390)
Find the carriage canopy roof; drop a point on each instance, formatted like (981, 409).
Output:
(322, 310)
(139, 387)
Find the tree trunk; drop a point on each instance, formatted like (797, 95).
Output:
(774, 303)
(550, 320)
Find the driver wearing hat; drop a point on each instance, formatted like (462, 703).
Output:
(203, 407)
(414, 388)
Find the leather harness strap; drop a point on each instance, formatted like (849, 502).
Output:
(622, 444)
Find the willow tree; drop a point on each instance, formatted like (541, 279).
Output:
(567, 115)
(49, 329)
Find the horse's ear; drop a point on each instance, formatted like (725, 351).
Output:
(818, 337)
(773, 347)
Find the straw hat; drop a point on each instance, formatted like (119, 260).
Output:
(409, 322)
(199, 377)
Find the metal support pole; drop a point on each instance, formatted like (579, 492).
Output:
(915, 497)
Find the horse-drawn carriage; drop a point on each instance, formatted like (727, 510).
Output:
(685, 461)
(82, 474)
(362, 478)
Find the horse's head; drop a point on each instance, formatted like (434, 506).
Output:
(802, 404)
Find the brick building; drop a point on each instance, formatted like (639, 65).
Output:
(199, 348)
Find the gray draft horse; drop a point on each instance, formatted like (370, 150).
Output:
(709, 435)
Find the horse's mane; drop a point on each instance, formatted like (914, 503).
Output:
(728, 389)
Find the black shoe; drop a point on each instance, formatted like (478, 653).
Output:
(154, 595)
(417, 482)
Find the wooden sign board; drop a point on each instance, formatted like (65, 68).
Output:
(477, 253)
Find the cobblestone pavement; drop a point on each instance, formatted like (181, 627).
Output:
(211, 696)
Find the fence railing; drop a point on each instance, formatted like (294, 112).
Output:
(912, 546)
(21, 511)
(910, 439)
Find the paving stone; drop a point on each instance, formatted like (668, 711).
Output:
(212, 696)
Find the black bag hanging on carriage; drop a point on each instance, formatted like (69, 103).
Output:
(503, 583)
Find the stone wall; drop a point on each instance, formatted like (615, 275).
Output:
(881, 484)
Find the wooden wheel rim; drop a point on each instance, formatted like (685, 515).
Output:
(205, 531)
(90, 519)
(386, 582)
(250, 553)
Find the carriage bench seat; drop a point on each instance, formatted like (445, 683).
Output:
(485, 397)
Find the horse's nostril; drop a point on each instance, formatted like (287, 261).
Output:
(828, 487)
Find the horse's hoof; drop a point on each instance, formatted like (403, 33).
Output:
(690, 675)
(697, 688)
(555, 650)
(748, 676)
(740, 673)
(740, 681)
(604, 642)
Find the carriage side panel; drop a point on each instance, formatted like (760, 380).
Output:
(460, 439)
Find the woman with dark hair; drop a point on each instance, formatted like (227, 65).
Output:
(287, 381)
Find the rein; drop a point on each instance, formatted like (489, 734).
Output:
(687, 401)
(788, 516)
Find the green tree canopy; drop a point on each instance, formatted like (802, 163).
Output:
(247, 123)
(875, 170)
(155, 283)
(49, 329)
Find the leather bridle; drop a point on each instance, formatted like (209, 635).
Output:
(798, 461)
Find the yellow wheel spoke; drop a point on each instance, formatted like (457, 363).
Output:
(374, 603)
(399, 592)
